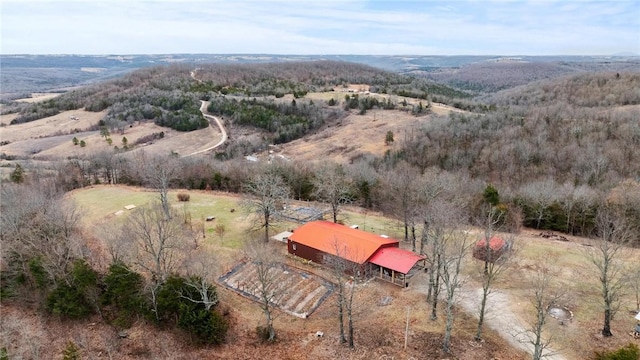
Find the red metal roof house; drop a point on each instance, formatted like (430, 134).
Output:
(321, 241)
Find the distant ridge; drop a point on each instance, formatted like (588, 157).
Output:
(23, 73)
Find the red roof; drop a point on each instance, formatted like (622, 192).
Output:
(495, 243)
(396, 259)
(339, 240)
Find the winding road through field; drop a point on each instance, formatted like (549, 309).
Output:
(210, 118)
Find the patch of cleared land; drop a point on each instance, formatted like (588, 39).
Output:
(355, 135)
(298, 292)
(380, 315)
(37, 97)
(52, 136)
(574, 275)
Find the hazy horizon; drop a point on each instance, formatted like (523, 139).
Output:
(393, 28)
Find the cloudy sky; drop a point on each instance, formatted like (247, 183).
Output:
(373, 27)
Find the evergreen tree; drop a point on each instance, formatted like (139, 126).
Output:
(17, 175)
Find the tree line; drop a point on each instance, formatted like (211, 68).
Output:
(374, 183)
(152, 275)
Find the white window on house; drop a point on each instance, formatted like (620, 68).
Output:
(293, 246)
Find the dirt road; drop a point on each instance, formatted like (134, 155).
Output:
(203, 109)
(500, 317)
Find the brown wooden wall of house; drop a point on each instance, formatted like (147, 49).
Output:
(305, 252)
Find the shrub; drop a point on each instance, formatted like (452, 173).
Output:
(17, 175)
(71, 352)
(72, 299)
(491, 195)
(388, 138)
(629, 352)
(184, 197)
(38, 272)
(169, 299)
(180, 301)
(83, 275)
(123, 289)
(205, 327)
(68, 301)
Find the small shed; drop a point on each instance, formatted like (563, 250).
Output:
(495, 249)
(282, 237)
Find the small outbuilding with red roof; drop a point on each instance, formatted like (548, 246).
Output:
(490, 251)
(323, 242)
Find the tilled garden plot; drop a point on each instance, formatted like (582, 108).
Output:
(297, 292)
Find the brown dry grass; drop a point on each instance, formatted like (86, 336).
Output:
(379, 329)
(38, 97)
(51, 137)
(577, 280)
(47, 127)
(355, 135)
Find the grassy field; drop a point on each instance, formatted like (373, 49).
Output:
(574, 276)
(99, 204)
(576, 280)
(379, 329)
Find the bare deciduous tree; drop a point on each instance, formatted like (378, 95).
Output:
(333, 187)
(346, 274)
(201, 269)
(633, 279)
(455, 246)
(158, 174)
(439, 221)
(21, 337)
(267, 193)
(541, 194)
(160, 244)
(39, 223)
(267, 287)
(403, 183)
(116, 242)
(492, 266)
(607, 255)
(543, 295)
(110, 165)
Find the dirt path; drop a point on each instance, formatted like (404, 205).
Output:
(203, 109)
(501, 318)
(505, 321)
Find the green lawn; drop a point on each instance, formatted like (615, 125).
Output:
(98, 205)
